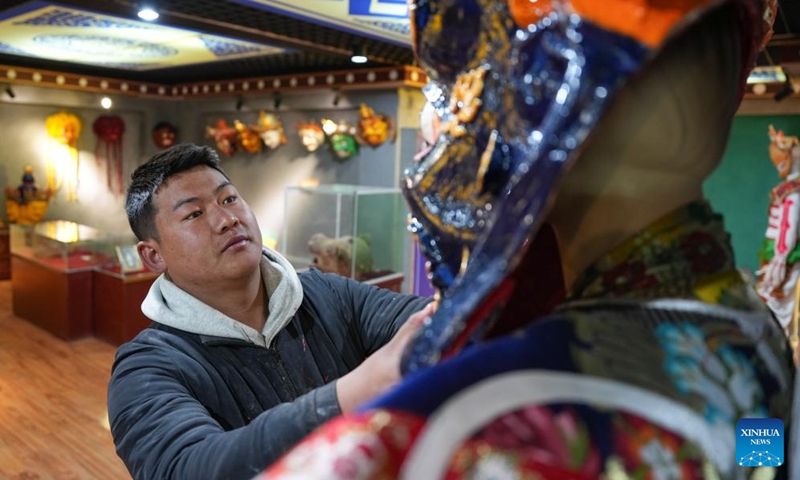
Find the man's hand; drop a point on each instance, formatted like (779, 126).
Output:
(381, 370)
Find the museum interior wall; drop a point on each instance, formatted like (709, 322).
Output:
(739, 188)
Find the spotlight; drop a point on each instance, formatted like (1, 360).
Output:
(148, 14)
(359, 55)
(278, 100)
(106, 103)
(239, 103)
(10, 92)
(337, 97)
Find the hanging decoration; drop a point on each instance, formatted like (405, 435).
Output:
(164, 135)
(248, 139)
(62, 164)
(311, 135)
(342, 137)
(374, 128)
(270, 129)
(109, 130)
(224, 136)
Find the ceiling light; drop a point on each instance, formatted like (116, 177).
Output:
(148, 14)
(359, 55)
(106, 103)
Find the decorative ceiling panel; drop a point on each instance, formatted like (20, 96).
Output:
(67, 34)
(379, 19)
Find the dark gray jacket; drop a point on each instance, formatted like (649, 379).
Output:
(186, 405)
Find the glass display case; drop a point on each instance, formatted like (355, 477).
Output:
(354, 231)
(60, 244)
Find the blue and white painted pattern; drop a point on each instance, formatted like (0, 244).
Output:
(98, 45)
(6, 48)
(73, 19)
(225, 48)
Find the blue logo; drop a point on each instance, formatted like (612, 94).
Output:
(759, 442)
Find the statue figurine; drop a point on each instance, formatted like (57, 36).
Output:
(643, 352)
(335, 255)
(777, 282)
(27, 204)
(28, 188)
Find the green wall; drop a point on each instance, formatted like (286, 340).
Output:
(739, 188)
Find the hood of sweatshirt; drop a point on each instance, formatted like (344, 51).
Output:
(168, 304)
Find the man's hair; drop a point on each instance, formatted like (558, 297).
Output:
(150, 176)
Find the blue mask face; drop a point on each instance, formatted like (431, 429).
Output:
(516, 103)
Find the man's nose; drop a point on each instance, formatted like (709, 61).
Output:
(225, 219)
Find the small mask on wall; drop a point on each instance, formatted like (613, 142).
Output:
(224, 136)
(374, 128)
(248, 139)
(270, 129)
(311, 135)
(164, 135)
(342, 137)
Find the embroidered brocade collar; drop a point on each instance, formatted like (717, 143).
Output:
(685, 254)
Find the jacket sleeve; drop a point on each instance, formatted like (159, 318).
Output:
(376, 313)
(162, 432)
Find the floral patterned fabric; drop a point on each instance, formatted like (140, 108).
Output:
(665, 313)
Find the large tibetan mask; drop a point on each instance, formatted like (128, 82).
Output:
(518, 86)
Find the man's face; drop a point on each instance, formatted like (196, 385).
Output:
(207, 231)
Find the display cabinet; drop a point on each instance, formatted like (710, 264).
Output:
(354, 231)
(51, 275)
(5, 254)
(121, 283)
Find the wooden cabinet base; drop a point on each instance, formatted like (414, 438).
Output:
(118, 313)
(5, 256)
(54, 300)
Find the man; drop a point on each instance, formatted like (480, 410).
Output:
(600, 119)
(244, 357)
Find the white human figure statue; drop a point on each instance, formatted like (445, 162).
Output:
(780, 256)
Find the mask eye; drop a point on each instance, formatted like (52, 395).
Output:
(528, 12)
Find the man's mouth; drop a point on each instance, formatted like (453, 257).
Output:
(235, 241)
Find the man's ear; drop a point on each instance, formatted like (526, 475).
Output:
(150, 252)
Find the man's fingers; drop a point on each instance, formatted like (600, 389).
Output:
(419, 317)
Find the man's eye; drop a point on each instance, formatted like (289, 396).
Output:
(230, 199)
(192, 215)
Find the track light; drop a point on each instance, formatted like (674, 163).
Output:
(10, 92)
(278, 99)
(239, 103)
(337, 97)
(359, 54)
